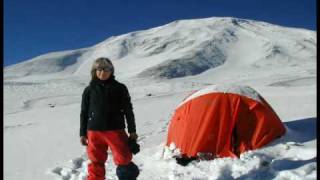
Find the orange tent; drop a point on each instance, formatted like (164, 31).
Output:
(222, 121)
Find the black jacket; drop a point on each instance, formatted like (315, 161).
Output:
(104, 105)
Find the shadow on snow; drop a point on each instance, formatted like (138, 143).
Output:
(301, 130)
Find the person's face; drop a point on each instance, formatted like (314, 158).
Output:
(103, 73)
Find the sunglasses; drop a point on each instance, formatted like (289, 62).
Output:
(105, 69)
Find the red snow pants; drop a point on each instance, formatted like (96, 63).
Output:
(98, 144)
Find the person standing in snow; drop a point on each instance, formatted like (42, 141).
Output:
(105, 105)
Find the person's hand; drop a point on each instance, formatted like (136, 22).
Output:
(132, 143)
(133, 136)
(84, 140)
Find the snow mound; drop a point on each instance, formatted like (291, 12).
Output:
(277, 160)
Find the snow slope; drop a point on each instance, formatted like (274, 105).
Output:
(183, 48)
(42, 98)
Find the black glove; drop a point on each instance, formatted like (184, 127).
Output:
(133, 146)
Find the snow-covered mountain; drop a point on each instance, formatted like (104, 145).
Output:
(183, 48)
(161, 66)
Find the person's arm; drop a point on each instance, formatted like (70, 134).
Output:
(84, 115)
(128, 112)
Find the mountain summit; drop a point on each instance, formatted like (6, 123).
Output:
(183, 48)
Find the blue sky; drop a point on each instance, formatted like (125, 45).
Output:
(36, 27)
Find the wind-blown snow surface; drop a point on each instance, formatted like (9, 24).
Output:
(161, 66)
